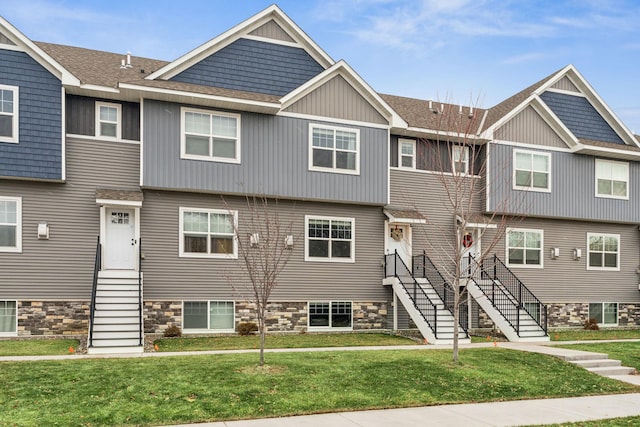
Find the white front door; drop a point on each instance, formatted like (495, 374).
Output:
(470, 246)
(399, 239)
(120, 243)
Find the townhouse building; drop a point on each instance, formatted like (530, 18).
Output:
(123, 181)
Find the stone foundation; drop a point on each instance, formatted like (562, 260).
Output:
(576, 314)
(53, 318)
(159, 315)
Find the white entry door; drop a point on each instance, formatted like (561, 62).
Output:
(120, 240)
(470, 246)
(399, 239)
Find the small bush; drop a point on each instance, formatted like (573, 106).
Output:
(172, 331)
(247, 328)
(591, 324)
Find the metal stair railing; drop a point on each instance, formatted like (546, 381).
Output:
(141, 337)
(97, 266)
(509, 292)
(424, 267)
(394, 266)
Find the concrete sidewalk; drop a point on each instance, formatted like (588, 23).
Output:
(513, 413)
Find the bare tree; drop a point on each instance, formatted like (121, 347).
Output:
(265, 242)
(459, 160)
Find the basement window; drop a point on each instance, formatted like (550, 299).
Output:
(8, 318)
(208, 316)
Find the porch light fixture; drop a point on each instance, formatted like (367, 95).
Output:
(288, 241)
(254, 239)
(577, 254)
(555, 253)
(43, 231)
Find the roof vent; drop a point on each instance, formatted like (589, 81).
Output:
(126, 64)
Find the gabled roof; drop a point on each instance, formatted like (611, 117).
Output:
(22, 43)
(244, 29)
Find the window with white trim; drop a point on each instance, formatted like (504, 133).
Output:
(524, 247)
(603, 251)
(9, 113)
(330, 315)
(10, 224)
(208, 233)
(8, 318)
(531, 170)
(612, 179)
(208, 315)
(334, 149)
(460, 159)
(329, 239)
(208, 135)
(605, 313)
(108, 120)
(407, 153)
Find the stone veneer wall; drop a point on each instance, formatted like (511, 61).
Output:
(53, 318)
(282, 316)
(576, 314)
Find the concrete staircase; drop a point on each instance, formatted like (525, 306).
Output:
(117, 324)
(599, 363)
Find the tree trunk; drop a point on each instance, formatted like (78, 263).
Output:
(261, 323)
(456, 319)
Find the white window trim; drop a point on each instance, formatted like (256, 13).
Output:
(525, 230)
(334, 169)
(589, 267)
(610, 196)
(183, 146)
(328, 328)
(18, 247)
(118, 108)
(532, 188)
(15, 138)
(351, 259)
(465, 151)
(400, 155)
(201, 331)
(15, 333)
(607, 325)
(183, 254)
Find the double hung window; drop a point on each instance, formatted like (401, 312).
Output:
(604, 251)
(10, 224)
(524, 247)
(210, 135)
(334, 149)
(208, 233)
(108, 120)
(329, 239)
(612, 179)
(532, 171)
(8, 114)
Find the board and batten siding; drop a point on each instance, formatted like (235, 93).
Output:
(572, 189)
(81, 116)
(272, 30)
(170, 277)
(61, 268)
(529, 128)
(38, 153)
(565, 280)
(274, 160)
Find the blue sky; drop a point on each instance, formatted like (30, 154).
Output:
(479, 51)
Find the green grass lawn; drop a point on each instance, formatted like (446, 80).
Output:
(612, 422)
(235, 342)
(627, 352)
(36, 347)
(586, 335)
(186, 389)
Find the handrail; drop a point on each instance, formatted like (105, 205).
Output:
(140, 290)
(424, 267)
(97, 266)
(515, 293)
(420, 299)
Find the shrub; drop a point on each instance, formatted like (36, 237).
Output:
(172, 331)
(247, 328)
(591, 324)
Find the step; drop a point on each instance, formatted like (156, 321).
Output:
(583, 355)
(116, 342)
(117, 274)
(117, 306)
(611, 370)
(97, 335)
(118, 287)
(115, 327)
(134, 349)
(596, 363)
(113, 320)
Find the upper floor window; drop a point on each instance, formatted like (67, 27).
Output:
(334, 149)
(524, 247)
(10, 224)
(329, 239)
(604, 251)
(532, 171)
(8, 113)
(208, 233)
(210, 135)
(460, 159)
(108, 119)
(407, 153)
(612, 179)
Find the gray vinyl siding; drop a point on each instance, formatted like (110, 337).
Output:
(38, 154)
(275, 161)
(529, 128)
(81, 117)
(564, 279)
(62, 267)
(565, 84)
(170, 277)
(338, 99)
(254, 66)
(582, 119)
(272, 30)
(572, 189)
